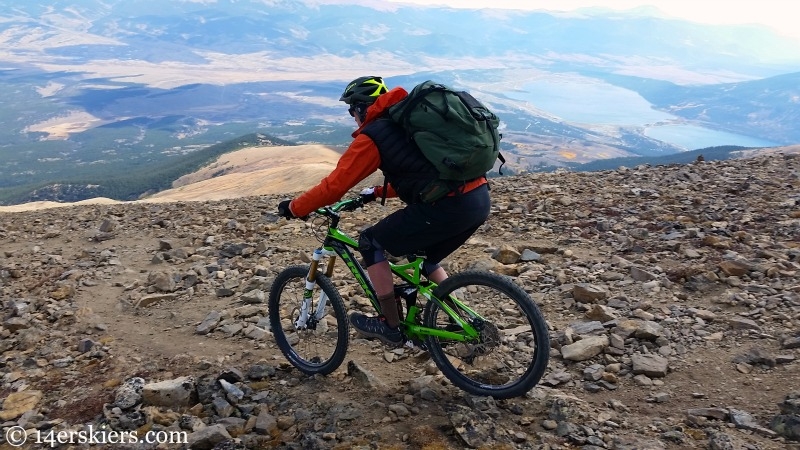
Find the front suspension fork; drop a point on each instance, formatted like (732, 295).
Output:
(308, 292)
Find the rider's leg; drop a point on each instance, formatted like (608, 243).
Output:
(382, 281)
(477, 202)
(434, 229)
(381, 276)
(437, 275)
(437, 229)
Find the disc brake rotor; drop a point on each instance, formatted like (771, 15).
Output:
(311, 323)
(489, 340)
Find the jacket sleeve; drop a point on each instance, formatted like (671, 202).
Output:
(359, 161)
(390, 193)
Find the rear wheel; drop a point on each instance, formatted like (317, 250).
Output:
(511, 353)
(316, 344)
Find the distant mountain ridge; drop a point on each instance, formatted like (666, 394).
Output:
(288, 170)
(96, 89)
(773, 103)
(148, 29)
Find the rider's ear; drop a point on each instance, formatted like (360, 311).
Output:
(361, 111)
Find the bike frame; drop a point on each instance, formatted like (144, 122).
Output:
(336, 243)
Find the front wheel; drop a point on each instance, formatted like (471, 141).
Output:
(510, 354)
(312, 334)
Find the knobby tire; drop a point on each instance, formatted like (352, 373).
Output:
(513, 352)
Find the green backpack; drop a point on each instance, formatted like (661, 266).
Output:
(455, 131)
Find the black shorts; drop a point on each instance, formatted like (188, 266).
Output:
(435, 229)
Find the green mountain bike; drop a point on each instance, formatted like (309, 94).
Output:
(483, 331)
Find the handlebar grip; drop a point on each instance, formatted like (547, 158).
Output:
(353, 204)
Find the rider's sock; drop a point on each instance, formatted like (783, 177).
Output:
(389, 309)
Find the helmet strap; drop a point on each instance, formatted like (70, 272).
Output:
(361, 111)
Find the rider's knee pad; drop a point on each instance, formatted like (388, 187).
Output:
(428, 268)
(370, 250)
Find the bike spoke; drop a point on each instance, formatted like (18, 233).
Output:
(495, 359)
(510, 354)
(313, 345)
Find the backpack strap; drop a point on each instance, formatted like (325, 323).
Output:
(420, 97)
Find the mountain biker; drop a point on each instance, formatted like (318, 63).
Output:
(433, 229)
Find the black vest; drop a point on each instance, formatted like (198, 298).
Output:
(402, 162)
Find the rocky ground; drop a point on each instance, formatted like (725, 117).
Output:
(672, 293)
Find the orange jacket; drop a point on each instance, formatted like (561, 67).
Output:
(359, 161)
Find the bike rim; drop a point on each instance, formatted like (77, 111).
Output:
(504, 360)
(314, 345)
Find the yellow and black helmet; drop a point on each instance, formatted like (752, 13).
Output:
(363, 90)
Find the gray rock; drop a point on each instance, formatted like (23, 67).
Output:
(713, 413)
(232, 390)
(209, 323)
(791, 403)
(260, 371)
(587, 293)
(206, 438)
(584, 349)
(639, 274)
(738, 323)
(586, 328)
(653, 366)
(601, 313)
(129, 393)
(255, 296)
(746, 421)
(791, 343)
(223, 407)
(364, 376)
(718, 440)
(173, 393)
(265, 423)
(161, 281)
(530, 255)
(473, 427)
(786, 426)
(556, 378)
(649, 330)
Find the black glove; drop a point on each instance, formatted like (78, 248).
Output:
(368, 195)
(284, 210)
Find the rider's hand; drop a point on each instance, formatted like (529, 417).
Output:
(284, 210)
(368, 195)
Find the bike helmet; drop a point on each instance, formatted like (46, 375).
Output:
(363, 90)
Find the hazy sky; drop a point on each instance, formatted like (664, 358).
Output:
(773, 13)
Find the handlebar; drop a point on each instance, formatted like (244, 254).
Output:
(332, 211)
(343, 205)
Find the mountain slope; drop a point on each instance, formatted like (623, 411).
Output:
(254, 171)
(671, 295)
(250, 171)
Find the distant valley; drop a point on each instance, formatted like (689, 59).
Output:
(129, 96)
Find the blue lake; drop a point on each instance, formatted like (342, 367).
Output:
(584, 101)
(693, 137)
